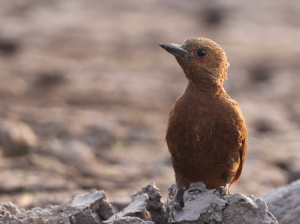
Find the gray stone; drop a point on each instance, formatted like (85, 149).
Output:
(138, 208)
(199, 203)
(85, 216)
(16, 138)
(70, 150)
(128, 220)
(155, 206)
(246, 209)
(8, 212)
(204, 206)
(146, 205)
(9, 207)
(91, 208)
(284, 203)
(201, 206)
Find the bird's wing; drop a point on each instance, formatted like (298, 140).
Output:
(243, 150)
(228, 135)
(239, 124)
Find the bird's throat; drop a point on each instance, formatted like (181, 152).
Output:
(203, 89)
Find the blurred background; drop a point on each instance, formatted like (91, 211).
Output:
(85, 92)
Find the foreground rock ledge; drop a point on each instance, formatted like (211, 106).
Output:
(201, 206)
(204, 206)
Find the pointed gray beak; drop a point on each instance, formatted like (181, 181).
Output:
(175, 49)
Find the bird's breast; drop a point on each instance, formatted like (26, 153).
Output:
(203, 140)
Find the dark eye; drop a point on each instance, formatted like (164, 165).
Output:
(201, 53)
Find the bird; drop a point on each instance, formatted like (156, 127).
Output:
(206, 132)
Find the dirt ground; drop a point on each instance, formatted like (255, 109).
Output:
(90, 80)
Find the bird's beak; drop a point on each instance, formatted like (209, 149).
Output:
(176, 50)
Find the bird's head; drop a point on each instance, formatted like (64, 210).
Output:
(201, 59)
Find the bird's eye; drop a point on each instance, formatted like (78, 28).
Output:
(201, 53)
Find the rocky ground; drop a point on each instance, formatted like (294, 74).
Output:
(85, 93)
(200, 206)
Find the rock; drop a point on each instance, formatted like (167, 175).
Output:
(155, 206)
(8, 212)
(9, 207)
(47, 80)
(98, 138)
(246, 209)
(214, 15)
(292, 166)
(9, 46)
(205, 206)
(146, 205)
(96, 201)
(136, 209)
(284, 203)
(198, 202)
(70, 150)
(16, 138)
(201, 206)
(91, 208)
(128, 220)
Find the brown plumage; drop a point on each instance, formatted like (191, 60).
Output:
(206, 133)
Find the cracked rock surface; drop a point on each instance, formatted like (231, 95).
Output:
(138, 208)
(146, 205)
(90, 208)
(201, 206)
(128, 220)
(284, 203)
(204, 206)
(155, 206)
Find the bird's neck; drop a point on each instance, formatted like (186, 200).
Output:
(203, 88)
